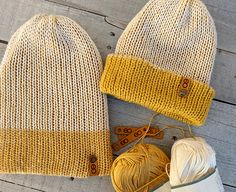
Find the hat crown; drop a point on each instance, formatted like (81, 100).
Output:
(55, 35)
(51, 105)
(174, 35)
(54, 58)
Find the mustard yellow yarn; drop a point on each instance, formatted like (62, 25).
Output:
(143, 164)
(138, 81)
(53, 117)
(166, 41)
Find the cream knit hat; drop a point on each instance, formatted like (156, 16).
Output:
(164, 59)
(54, 119)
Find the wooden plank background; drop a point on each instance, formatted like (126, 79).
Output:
(104, 20)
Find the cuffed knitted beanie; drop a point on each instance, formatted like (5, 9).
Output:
(54, 119)
(164, 59)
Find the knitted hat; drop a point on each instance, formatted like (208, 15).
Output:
(164, 59)
(54, 119)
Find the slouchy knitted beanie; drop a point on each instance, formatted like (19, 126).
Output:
(164, 59)
(54, 119)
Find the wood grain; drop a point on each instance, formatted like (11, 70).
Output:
(62, 184)
(224, 76)
(35, 183)
(122, 11)
(104, 20)
(105, 36)
(219, 131)
(2, 50)
(229, 189)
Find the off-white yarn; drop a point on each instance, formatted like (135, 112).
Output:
(54, 119)
(191, 159)
(175, 35)
(166, 52)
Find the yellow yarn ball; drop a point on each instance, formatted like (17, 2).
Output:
(132, 170)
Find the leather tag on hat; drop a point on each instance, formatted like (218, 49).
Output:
(93, 166)
(185, 86)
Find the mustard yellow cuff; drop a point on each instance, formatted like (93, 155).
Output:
(137, 81)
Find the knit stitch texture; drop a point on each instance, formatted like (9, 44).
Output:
(53, 115)
(164, 60)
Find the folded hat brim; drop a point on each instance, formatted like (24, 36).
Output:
(137, 81)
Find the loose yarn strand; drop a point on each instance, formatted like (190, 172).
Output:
(144, 165)
(190, 131)
(141, 139)
(148, 127)
(172, 127)
(167, 170)
(150, 182)
(140, 166)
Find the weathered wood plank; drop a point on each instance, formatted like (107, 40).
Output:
(6, 186)
(105, 36)
(224, 15)
(122, 11)
(14, 15)
(57, 184)
(219, 131)
(2, 50)
(223, 78)
(229, 189)
(60, 186)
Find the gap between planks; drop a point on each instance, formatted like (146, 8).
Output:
(27, 187)
(218, 100)
(111, 21)
(220, 50)
(228, 188)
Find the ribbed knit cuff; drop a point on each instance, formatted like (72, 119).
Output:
(137, 81)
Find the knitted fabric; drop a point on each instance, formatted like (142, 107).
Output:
(53, 116)
(164, 60)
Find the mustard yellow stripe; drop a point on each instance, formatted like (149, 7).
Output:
(62, 153)
(137, 81)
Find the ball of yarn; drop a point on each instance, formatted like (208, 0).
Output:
(191, 159)
(139, 166)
